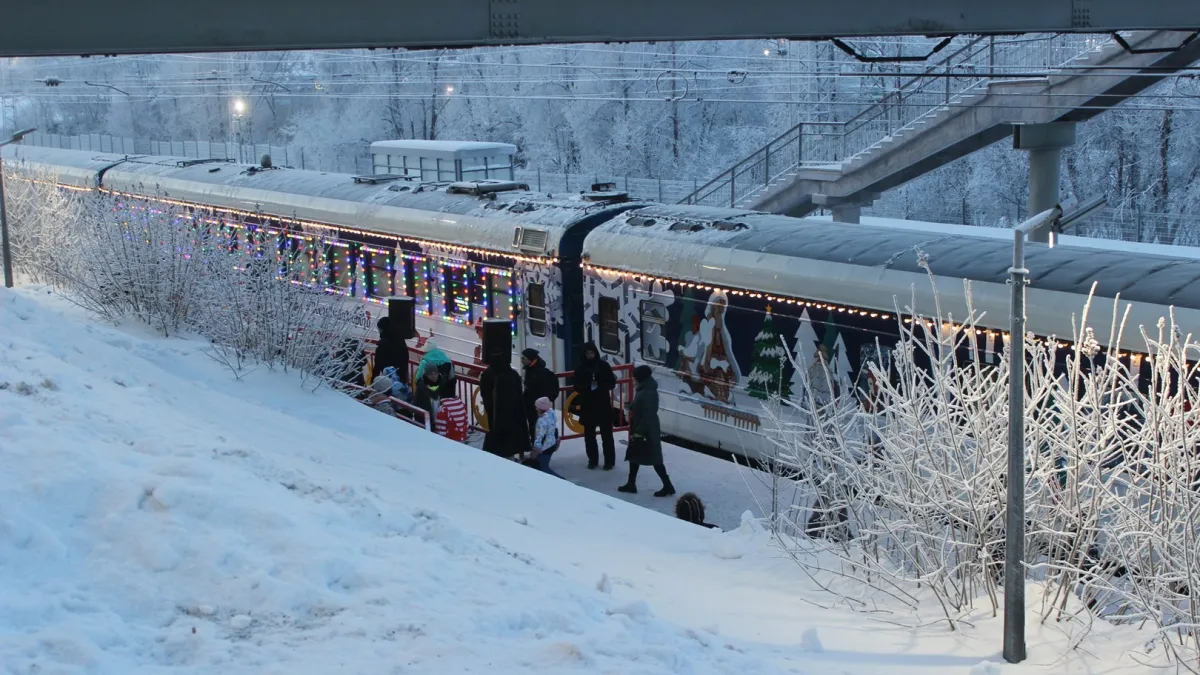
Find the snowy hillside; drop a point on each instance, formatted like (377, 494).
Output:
(156, 513)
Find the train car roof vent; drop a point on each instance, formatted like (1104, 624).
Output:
(400, 188)
(485, 187)
(533, 240)
(522, 207)
(377, 178)
(185, 163)
(686, 226)
(605, 195)
(641, 221)
(728, 225)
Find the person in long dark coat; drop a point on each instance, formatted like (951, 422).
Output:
(391, 351)
(508, 428)
(540, 382)
(594, 382)
(645, 437)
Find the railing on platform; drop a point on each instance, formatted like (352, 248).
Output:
(467, 377)
(967, 70)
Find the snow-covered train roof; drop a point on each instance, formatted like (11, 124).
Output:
(444, 149)
(1006, 235)
(77, 168)
(406, 208)
(877, 267)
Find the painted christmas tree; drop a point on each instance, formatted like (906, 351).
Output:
(766, 379)
(804, 351)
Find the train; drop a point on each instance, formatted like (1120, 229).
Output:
(713, 299)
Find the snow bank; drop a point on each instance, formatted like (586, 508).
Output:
(156, 513)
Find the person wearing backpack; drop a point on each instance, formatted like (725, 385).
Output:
(545, 437)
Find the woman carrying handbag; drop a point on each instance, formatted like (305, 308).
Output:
(645, 443)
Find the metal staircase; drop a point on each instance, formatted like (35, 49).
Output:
(967, 101)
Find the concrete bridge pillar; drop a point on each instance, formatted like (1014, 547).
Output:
(1044, 143)
(847, 213)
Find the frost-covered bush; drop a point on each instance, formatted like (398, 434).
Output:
(179, 270)
(899, 490)
(38, 214)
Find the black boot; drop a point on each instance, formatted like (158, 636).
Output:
(630, 485)
(667, 489)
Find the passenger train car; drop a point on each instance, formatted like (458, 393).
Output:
(710, 297)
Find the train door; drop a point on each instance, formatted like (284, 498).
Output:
(537, 326)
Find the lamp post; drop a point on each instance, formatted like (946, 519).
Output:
(5, 247)
(1014, 530)
(239, 111)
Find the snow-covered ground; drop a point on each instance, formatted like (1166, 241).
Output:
(157, 515)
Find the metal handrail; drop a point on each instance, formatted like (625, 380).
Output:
(918, 97)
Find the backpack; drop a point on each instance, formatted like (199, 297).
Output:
(400, 390)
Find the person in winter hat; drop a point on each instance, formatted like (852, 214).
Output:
(391, 351)
(539, 382)
(594, 382)
(436, 358)
(381, 390)
(545, 437)
(645, 443)
(690, 508)
(507, 425)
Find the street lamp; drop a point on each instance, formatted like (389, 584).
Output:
(1014, 530)
(5, 247)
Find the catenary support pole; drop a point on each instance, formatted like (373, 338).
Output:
(5, 246)
(1014, 530)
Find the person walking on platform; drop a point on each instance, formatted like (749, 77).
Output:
(594, 382)
(391, 351)
(645, 442)
(508, 428)
(540, 382)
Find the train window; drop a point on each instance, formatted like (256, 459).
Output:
(654, 332)
(610, 325)
(535, 309)
(457, 293)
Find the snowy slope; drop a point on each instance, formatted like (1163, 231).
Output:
(157, 514)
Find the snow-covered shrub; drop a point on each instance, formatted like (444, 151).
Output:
(900, 491)
(180, 270)
(38, 214)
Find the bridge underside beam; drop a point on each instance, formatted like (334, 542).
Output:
(65, 27)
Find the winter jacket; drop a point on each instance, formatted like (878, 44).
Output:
(645, 441)
(451, 420)
(594, 381)
(392, 353)
(434, 357)
(545, 437)
(539, 382)
(508, 426)
(427, 395)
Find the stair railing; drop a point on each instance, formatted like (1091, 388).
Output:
(816, 145)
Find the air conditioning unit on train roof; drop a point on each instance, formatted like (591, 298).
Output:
(530, 240)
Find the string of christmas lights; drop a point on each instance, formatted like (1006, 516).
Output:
(842, 309)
